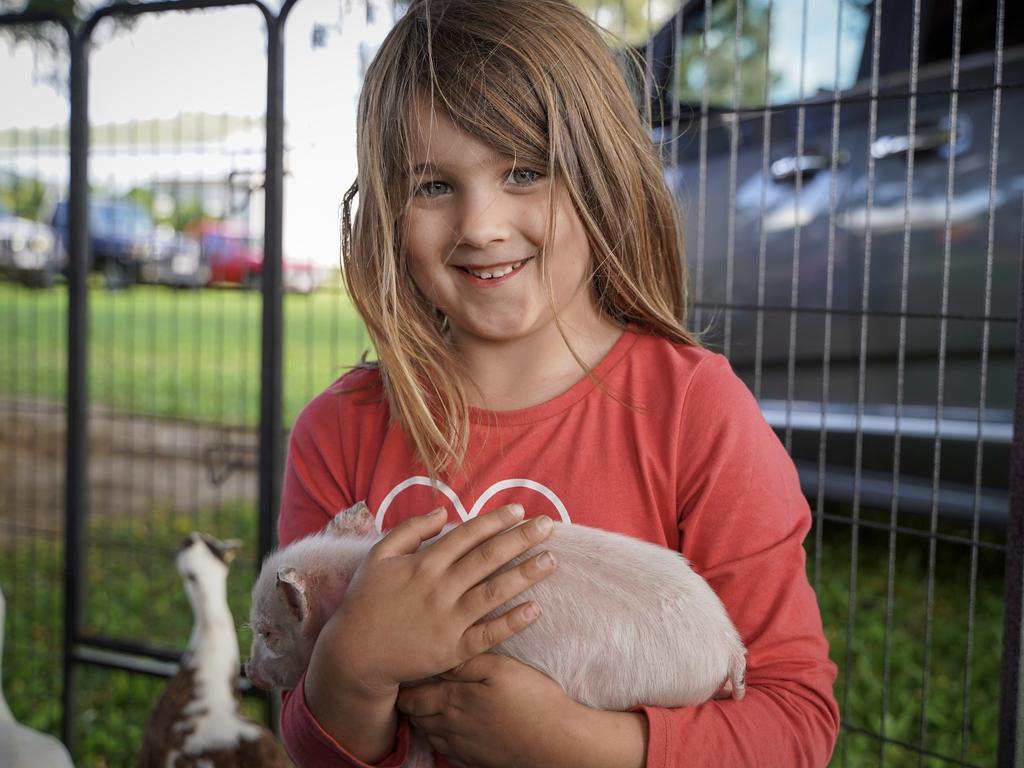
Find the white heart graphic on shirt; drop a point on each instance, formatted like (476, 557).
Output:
(499, 486)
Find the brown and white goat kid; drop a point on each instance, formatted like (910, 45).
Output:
(197, 722)
(623, 623)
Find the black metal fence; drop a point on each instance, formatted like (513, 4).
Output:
(854, 217)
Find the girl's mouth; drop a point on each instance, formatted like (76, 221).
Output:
(493, 274)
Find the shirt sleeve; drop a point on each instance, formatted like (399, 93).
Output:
(314, 489)
(743, 520)
(309, 745)
(313, 492)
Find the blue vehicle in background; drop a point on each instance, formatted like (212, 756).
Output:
(809, 255)
(127, 246)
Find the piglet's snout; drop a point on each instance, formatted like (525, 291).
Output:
(254, 678)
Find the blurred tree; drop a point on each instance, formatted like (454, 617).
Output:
(727, 49)
(187, 212)
(49, 43)
(141, 196)
(632, 20)
(25, 197)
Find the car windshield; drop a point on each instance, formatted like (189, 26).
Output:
(120, 220)
(756, 52)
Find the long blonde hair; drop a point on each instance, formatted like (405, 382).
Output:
(535, 80)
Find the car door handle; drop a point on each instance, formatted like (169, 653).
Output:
(926, 141)
(787, 168)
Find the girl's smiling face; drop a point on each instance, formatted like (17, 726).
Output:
(473, 231)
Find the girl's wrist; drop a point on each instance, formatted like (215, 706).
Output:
(350, 666)
(613, 739)
(362, 720)
(340, 693)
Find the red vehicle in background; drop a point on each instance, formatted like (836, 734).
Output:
(235, 257)
(232, 255)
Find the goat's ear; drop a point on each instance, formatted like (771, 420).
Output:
(291, 585)
(354, 521)
(224, 549)
(229, 548)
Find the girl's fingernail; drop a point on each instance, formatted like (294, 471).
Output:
(436, 512)
(516, 510)
(544, 524)
(546, 561)
(530, 612)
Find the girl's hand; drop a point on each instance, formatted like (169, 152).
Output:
(409, 614)
(496, 712)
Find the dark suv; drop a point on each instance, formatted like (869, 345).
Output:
(122, 239)
(795, 193)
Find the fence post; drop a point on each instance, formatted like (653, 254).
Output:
(1011, 711)
(271, 456)
(76, 481)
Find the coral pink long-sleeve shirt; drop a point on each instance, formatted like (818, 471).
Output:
(674, 450)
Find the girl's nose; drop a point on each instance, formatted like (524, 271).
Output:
(483, 220)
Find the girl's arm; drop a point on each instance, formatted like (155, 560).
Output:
(742, 521)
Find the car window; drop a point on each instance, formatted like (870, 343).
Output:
(120, 221)
(767, 50)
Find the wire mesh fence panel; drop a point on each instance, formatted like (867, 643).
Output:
(852, 220)
(33, 314)
(323, 334)
(852, 205)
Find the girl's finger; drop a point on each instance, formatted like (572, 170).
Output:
(437, 743)
(464, 538)
(494, 553)
(421, 700)
(480, 638)
(406, 537)
(489, 594)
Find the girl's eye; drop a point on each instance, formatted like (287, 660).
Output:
(432, 189)
(523, 176)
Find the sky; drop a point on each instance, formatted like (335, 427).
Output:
(167, 62)
(214, 61)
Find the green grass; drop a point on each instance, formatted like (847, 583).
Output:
(184, 354)
(859, 686)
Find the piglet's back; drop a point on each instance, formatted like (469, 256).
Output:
(625, 622)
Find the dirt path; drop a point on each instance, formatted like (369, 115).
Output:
(136, 464)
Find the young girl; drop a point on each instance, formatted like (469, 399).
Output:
(517, 259)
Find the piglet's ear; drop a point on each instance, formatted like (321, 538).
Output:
(292, 588)
(354, 521)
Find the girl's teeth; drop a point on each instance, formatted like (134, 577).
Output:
(497, 273)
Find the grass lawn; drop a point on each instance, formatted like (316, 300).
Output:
(860, 687)
(185, 354)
